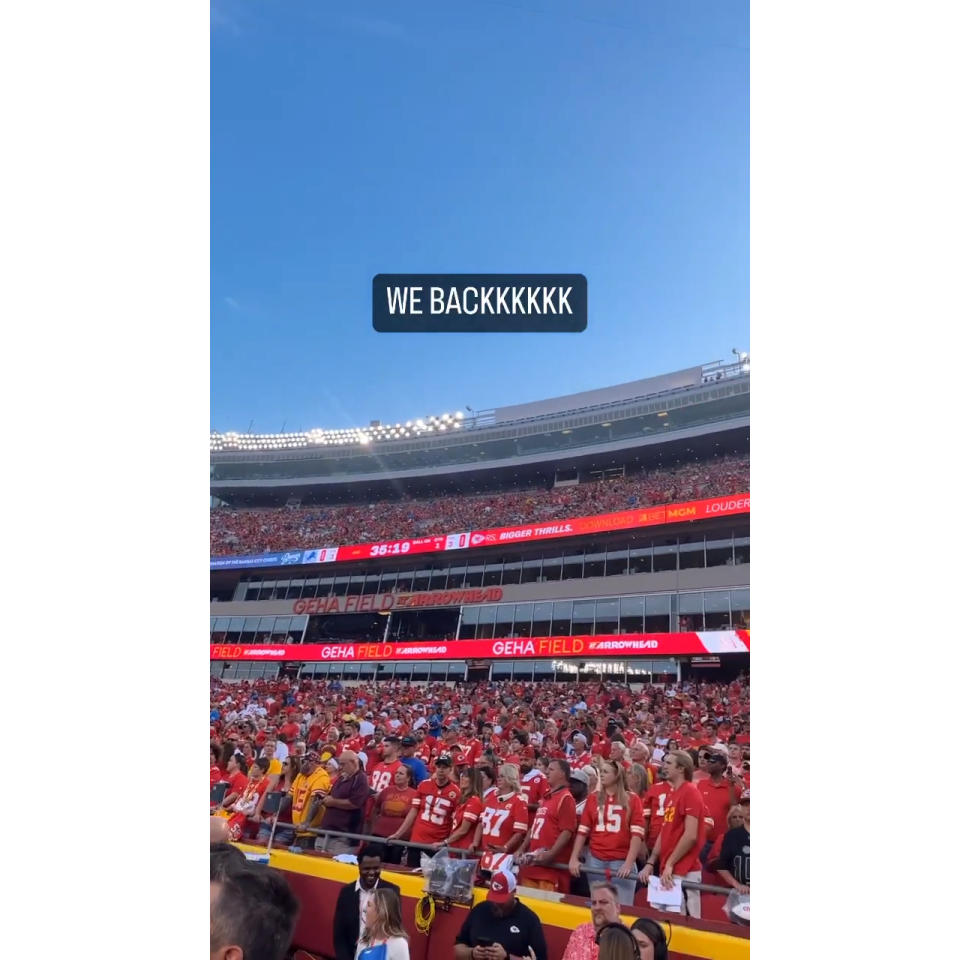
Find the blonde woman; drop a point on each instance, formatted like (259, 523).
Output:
(613, 823)
(383, 936)
(504, 821)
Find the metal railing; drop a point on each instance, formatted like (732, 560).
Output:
(325, 835)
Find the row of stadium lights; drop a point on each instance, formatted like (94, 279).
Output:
(329, 438)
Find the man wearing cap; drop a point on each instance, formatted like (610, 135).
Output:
(418, 769)
(501, 927)
(309, 785)
(719, 790)
(430, 819)
(581, 755)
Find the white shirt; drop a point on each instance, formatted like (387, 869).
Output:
(366, 728)
(282, 751)
(397, 948)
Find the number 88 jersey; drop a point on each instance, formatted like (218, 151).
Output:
(434, 805)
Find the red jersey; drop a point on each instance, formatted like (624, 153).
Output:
(655, 801)
(557, 812)
(469, 812)
(291, 731)
(216, 775)
(717, 801)
(356, 744)
(580, 760)
(434, 805)
(683, 802)
(502, 817)
(610, 827)
(238, 781)
(534, 786)
(381, 776)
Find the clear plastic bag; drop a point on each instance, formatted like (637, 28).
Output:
(737, 907)
(450, 877)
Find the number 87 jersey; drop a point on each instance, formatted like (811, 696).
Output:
(434, 805)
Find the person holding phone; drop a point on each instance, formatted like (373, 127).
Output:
(501, 927)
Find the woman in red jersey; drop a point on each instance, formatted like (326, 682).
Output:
(613, 822)
(390, 808)
(467, 812)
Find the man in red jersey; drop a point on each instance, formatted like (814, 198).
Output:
(533, 784)
(655, 805)
(719, 790)
(381, 776)
(551, 834)
(581, 755)
(683, 833)
(352, 740)
(431, 812)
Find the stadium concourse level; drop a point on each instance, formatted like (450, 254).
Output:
(621, 781)
(261, 530)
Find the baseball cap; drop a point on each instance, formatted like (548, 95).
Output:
(502, 886)
(392, 738)
(579, 775)
(311, 756)
(718, 748)
(461, 760)
(408, 742)
(444, 761)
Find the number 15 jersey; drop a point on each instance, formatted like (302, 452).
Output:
(434, 805)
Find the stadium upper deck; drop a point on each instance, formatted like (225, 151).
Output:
(692, 411)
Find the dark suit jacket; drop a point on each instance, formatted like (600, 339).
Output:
(346, 919)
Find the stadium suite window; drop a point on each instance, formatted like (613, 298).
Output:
(234, 628)
(616, 563)
(531, 570)
(340, 585)
(690, 611)
(280, 630)
(607, 617)
(265, 629)
(552, 567)
(388, 581)
(468, 623)
(371, 584)
(504, 624)
(562, 613)
(219, 631)
(474, 576)
(310, 587)
(593, 564)
(521, 620)
(455, 578)
(355, 586)
(740, 609)
(421, 580)
(511, 572)
(716, 609)
(584, 612)
(692, 555)
(492, 573)
(251, 590)
(573, 566)
(268, 590)
(641, 558)
(405, 581)
(720, 552)
(542, 616)
(438, 578)
(656, 613)
(485, 622)
(631, 614)
(664, 554)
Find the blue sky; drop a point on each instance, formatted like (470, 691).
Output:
(604, 137)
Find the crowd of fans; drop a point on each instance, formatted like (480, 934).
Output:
(563, 783)
(235, 532)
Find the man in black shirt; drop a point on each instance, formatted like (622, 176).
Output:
(501, 927)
